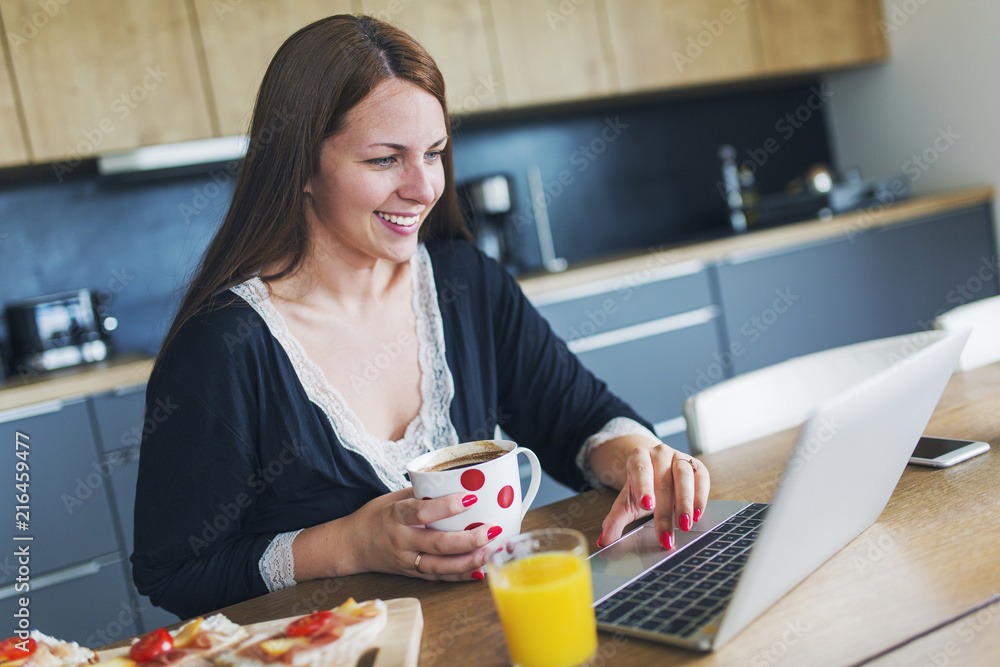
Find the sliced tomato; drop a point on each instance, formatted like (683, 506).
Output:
(308, 625)
(151, 645)
(11, 649)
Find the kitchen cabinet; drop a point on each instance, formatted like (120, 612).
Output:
(454, 32)
(69, 513)
(88, 604)
(814, 35)
(240, 38)
(660, 328)
(13, 149)
(550, 51)
(105, 75)
(875, 283)
(73, 548)
(119, 421)
(648, 335)
(660, 44)
(102, 76)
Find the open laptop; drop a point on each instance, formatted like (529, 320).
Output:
(742, 557)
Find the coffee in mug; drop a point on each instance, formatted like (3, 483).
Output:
(489, 452)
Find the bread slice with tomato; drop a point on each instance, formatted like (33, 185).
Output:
(40, 650)
(324, 639)
(194, 644)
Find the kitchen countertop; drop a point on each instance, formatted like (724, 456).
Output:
(118, 374)
(124, 373)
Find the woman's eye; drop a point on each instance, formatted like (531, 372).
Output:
(434, 155)
(383, 161)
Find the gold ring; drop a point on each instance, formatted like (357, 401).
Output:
(416, 562)
(690, 462)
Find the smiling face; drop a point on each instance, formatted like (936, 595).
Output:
(380, 176)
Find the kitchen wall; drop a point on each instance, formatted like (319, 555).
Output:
(135, 244)
(629, 175)
(621, 176)
(932, 112)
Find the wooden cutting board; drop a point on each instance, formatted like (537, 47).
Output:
(398, 645)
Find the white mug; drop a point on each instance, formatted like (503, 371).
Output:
(496, 483)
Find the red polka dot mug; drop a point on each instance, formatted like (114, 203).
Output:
(486, 469)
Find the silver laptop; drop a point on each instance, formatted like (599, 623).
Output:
(742, 557)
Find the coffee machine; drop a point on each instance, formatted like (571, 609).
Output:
(488, 205)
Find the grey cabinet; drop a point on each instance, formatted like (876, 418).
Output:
(88, 603)
(119, 419)
(585, 310)
(649, 336)
(875, 283)
(72, 560)
(651, 372)
(68, 505)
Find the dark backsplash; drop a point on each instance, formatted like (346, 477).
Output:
(633, 175)
(636, 176)
(136, 244)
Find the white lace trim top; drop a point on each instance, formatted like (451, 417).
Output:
(278, 569)
(430, 429)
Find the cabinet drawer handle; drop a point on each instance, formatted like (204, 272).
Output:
(35, 410)
(55, 578)
(624, 282)
(643, 330)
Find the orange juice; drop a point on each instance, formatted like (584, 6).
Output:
(544, 604)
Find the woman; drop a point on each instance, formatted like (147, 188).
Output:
(340, 325)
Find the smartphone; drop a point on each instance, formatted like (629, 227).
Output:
(944, 452)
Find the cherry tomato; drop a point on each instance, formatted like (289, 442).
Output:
(151, 645)
(308, 625)
(10, 651)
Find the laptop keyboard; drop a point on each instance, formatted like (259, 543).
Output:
(682, 594)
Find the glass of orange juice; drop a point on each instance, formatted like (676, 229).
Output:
(541, 587)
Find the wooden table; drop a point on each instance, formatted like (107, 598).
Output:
(923, 580)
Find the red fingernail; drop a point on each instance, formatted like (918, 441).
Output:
(599, 538)
(685, 522)
(493, 532)
(647, 502)
(667, 540)
(478, 575)
(469, 500)
(697, 515)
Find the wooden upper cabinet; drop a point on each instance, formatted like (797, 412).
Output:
(550, 50)
(803, 35)
(239, 40)
(660, 44)
(454, 33)
(105, 75)
(13, 149)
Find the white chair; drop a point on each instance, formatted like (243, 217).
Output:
(772, 399)
(983, 317)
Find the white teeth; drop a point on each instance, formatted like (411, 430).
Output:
(400, 220)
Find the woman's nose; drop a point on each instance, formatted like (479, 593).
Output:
(418, 183)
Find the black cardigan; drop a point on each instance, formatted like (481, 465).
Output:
(238, 453)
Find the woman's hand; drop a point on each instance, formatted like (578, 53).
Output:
(389, 534)
(657, 479)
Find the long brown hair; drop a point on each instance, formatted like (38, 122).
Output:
(316, 77)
